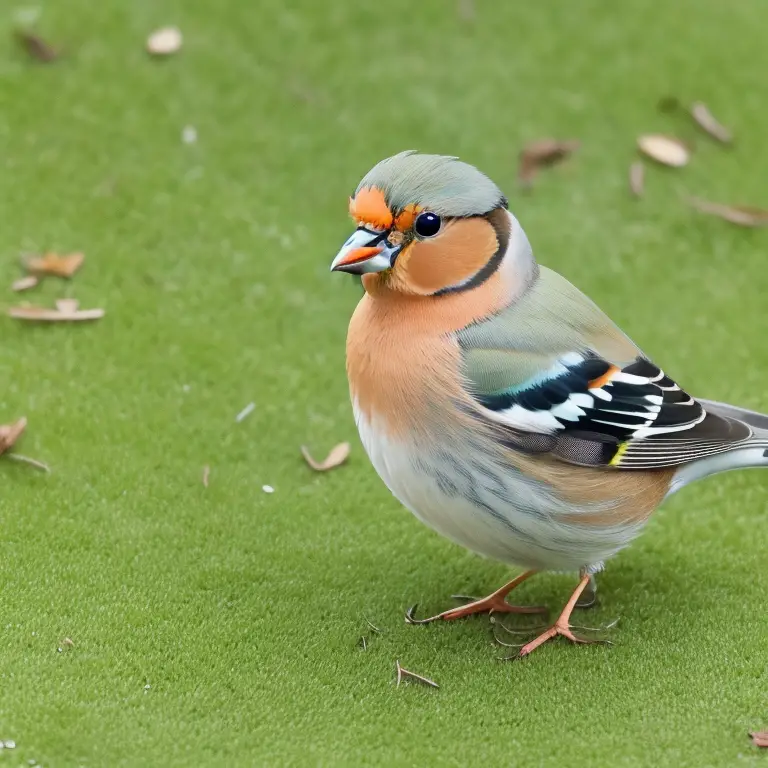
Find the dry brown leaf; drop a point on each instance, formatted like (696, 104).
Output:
(338, 455)
(666, 150)
(10, 433)
(25, 283)
(759, 738)
(741, 215)
(54, 264)
(637, 179)
(66, 311)
(36, 47)
(540, 154)
(707, 122)
(67, 306)
(164, 41)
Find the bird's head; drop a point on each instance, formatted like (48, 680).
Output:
(428, 225)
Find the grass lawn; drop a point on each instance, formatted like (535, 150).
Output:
(219, 626)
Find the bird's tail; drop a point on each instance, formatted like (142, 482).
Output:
(751, 453)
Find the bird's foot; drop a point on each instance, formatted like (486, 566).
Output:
(562, 627)
(494, 603)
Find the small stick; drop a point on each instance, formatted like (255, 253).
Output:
(363, 643)
(402, 672)
(372, 626)
(608, 626)
(27, 460)
(206, 475)
(524, 631)
(247, 411)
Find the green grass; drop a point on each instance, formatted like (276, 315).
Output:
(242, 610)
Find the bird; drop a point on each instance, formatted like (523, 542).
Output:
(497, 402)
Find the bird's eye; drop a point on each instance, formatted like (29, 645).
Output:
(427, 224)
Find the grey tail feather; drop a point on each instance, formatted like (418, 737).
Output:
(752, 453)
(758, 421)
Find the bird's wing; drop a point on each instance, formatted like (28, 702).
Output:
(555, 375)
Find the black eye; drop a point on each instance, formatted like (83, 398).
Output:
(427, 224)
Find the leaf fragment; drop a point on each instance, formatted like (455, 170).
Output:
(541, 154)
(54, 264)
(206, 475)
(66, 311)
(759, 739)
(10, 433)
(67, 306)
(337, 456)
(25, 283)
(666, 150)
(36, 47)
(707, 122)
(741, 215)
(637, 179)
(164, 41)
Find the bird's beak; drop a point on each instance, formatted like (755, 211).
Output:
(366, 251)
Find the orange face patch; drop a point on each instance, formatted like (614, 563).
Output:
(407, 216)
(368, 206)
(462, 249)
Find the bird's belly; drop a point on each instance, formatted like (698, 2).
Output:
(495, 511)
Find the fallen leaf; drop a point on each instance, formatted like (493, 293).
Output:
(25, 283)
(706, 121)
(66, 311)
(68, 641)
(741, 215)
(164, 41)
(206, 475)
(760, 738)
(36, 47)
(666, 150)
(540, 154)
(338, 455)
(10, 433)
(67, 306)
(54, 264)
(637, 179)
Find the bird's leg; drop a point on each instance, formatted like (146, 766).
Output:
(494, 602)
(562, 626)
(589, 597)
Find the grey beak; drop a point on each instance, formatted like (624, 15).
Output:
(365, 251)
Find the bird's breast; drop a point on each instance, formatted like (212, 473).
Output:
(404, 371)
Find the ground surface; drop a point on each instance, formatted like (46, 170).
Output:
(219, 626)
